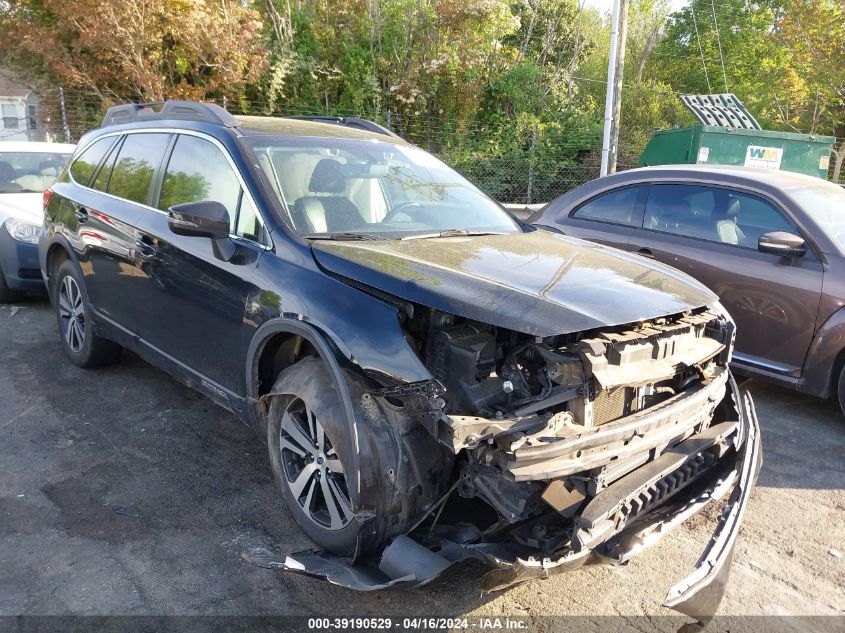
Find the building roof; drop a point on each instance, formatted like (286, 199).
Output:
(10, 86)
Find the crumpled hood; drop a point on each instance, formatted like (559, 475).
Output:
(23, 206)
(539, 283)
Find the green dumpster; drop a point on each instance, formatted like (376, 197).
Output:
(728, 136)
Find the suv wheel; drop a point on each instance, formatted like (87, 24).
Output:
(840, 390)
(308, 442)
(403, 470)
(81, 343)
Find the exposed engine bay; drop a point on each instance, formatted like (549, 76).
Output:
(543, 425)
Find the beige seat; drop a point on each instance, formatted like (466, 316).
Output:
(726, 227)
(324, 210)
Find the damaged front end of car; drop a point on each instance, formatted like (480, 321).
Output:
(559, 451)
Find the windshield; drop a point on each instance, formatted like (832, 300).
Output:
(380, 190)
(29, 172)
(825, 205)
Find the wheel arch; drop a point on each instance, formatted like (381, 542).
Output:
(57, 253)
(825, 357)
(265, 361)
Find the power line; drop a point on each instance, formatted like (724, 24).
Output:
(719, 44)
(700, 50)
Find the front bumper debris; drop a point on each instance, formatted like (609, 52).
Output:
(641, 509)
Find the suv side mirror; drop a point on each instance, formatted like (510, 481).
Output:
(204, 218)
(782, 243)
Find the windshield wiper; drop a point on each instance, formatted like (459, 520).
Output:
(452, 233)
(342, 237)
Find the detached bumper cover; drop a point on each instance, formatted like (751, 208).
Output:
(698, 595)
(409, 562)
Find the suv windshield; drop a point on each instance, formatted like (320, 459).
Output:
(29, 172)
(344, 188)
(825, 204)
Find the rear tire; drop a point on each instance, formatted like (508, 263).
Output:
(7, 295)
(840, 390)
(73, 311)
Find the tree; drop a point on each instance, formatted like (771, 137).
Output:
(814, 32)
(141, 49)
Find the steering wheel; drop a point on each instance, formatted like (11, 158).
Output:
(399, 208)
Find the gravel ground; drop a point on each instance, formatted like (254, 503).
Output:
(124, 493)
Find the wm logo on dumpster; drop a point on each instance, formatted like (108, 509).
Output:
(763, 157)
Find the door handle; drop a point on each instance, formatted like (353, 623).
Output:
(146, 248)
(81, 213)
(646, 252)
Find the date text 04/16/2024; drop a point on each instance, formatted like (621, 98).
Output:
(419, 623)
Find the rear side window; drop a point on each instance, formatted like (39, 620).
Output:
(101, 180)
(614, 207)
(138, 158)
(86, 163)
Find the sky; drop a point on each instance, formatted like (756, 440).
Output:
(607, 5)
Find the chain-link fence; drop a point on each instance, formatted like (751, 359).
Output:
(511, 162)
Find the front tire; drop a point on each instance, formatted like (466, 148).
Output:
(402, 468)
(81, 344)
(840, 390)
(309, 454)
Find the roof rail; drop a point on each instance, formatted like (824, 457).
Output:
(160, 110)
(347, 121)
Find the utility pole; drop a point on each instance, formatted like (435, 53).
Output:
(613, 101)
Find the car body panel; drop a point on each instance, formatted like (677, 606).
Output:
(774, 297)
(19, 263)
(538, 283)
(102, 230)
(179, 281)
(778, 303)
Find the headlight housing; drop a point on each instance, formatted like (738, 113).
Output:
(24, 231)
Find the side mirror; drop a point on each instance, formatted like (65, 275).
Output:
(782, 243)
(204, 218)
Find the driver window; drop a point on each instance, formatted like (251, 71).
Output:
(198, 170)
(712, 213)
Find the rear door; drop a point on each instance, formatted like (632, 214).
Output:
(773, 299)
(116, 173)
(193, 304)
(607, 218)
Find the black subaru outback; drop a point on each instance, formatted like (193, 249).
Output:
(435, 381)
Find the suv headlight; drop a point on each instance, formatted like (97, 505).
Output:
(24, 231)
